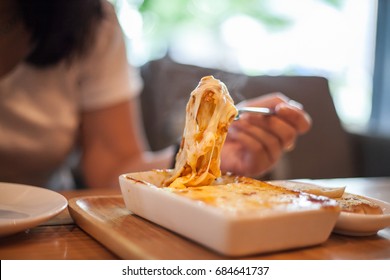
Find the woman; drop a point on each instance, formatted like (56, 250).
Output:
(65, 83)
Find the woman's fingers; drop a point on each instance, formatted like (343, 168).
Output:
(256, 142)
(294, 116)
(277, 127)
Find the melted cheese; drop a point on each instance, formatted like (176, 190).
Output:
(197, 173)
(209, 112)
(246, 195)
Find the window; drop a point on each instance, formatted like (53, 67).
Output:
(381, 90)
(330, 38)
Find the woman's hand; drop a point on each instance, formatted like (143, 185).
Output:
(255, 143)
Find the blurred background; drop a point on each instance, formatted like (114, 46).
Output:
(342, 40)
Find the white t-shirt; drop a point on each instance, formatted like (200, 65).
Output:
(40, 108)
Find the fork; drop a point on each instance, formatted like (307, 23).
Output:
(256, 110)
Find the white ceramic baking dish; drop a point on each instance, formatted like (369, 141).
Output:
(229, 233)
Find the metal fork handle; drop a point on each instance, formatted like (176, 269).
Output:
(256, 110)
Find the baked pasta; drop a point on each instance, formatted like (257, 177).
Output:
(209, 112)
(238, 194)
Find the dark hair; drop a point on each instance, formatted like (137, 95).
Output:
(60, 29)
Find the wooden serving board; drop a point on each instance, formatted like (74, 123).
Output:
(128, 236)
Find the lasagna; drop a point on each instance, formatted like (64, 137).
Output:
(237, 194)
(197, 175)
(209, 112)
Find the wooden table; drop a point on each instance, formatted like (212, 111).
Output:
(60, 238)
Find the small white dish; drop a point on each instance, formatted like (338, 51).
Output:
(23, 207)
(362, 224)
(347, 223)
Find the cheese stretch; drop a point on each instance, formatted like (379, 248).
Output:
(209, 112)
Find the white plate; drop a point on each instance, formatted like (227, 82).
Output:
(348, 223)
(23, 207)
(361, 224)
(226, 232)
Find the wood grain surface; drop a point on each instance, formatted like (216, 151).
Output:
(105, 230)
(131, 237)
